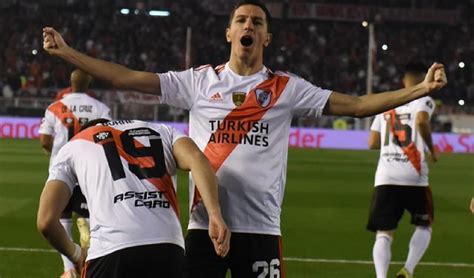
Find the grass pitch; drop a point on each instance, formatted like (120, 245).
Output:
(324, 215)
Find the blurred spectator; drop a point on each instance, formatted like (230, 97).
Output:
(319, 51)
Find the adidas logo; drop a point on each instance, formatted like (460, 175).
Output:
(217, 97)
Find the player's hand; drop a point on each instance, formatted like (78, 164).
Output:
(80, 263)
(433, 156)
(220, 235)
(435, 78)
(53, 42)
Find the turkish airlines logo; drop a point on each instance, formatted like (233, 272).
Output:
(217, 97)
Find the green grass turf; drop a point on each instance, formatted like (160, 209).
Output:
(324, 213)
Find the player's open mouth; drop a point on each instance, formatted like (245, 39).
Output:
(246, 41)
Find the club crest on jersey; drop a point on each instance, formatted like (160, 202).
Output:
(263, 97)
(238, 98)
(101, 136)
(69, 121)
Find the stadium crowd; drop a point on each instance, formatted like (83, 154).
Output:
(331, 54)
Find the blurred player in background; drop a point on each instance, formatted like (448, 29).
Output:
(62, 93)
(62, 120)
(240, 116)
(127, 171)
(401, 180)
(69, 90)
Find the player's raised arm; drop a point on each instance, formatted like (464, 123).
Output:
(119, 76)
(368, 105)
(190, 158)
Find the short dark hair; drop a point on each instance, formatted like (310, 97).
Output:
(94, 122)
(415, 67)
(257, 3)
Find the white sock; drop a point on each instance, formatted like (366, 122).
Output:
(418, 244)
(67, 224)
(382, 254)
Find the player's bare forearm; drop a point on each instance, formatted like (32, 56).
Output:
(422, 121)
(46, 142)
(373, 104)
(100, 69)
(119, 76)
(53, 200)
(190, 158)
(369, 105)
(55, 234)
(374, 140)
(424, 129)
(377, 103)
(206, 182)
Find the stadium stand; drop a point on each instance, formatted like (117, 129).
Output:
(331, 54)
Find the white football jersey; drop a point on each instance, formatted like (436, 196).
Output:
(242, 125)
(402, 157)
(127, 172)
(64, 118)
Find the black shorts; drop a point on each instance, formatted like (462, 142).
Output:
(155, 260)
(77, 203)
(390, 201)
(250, 256)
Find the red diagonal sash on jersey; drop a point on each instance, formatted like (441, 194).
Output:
(164, 184)
(410, 151)
(62, 112)
(250, 111)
